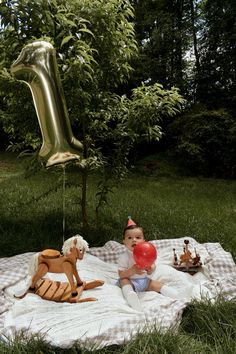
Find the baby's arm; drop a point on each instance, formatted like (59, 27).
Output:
(127, 273)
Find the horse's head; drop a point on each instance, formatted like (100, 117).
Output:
(75, 244)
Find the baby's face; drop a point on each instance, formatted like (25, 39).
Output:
(133, 237)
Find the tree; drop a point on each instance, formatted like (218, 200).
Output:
(191, 44)
(163, 35)
(206, 141)
(95, 42)
(218, 54)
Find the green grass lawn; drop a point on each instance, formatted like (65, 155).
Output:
(165, 201)
(167, 206)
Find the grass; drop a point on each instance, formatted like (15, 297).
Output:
(164, 200)
(166, 206)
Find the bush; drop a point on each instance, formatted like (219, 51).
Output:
(205, 142)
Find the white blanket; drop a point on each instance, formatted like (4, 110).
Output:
(109, 320)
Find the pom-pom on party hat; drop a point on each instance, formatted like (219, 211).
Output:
(130, 221)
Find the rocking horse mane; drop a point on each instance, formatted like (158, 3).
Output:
(75, 241)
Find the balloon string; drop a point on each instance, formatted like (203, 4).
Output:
(63, 205)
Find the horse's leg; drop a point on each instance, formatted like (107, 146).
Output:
(77, 277)
(93, 284)
(42, 270)
(68, 270)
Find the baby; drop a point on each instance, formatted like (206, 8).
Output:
(133, 279)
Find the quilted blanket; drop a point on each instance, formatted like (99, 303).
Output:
(109, 320)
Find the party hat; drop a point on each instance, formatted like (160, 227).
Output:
(130, 221)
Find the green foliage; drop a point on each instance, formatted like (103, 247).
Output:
(206, 142)
(21, 24)
(189, 44)
(17, 113)
(216, 87)
(151, 104)
(103, 190)
(122, 122)
(95, 43)
(119, 123)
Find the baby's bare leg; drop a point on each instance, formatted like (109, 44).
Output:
(155, 285)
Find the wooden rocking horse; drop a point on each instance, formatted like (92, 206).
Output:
(53, 261)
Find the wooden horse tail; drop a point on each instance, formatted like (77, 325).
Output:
(33, 264)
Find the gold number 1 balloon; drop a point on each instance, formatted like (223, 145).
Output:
(37, 67)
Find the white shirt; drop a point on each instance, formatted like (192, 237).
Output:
(126, 261)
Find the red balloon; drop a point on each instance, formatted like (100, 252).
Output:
(144, 254)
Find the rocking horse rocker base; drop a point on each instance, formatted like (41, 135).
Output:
(61, 291)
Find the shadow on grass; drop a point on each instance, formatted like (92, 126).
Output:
(20, 235)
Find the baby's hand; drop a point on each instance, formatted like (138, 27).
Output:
(138, 270)
(151, 269)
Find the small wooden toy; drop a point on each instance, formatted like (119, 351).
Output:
(53, 261)
(187, 262)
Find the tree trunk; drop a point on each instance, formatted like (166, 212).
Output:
(84, 199)
(179, 51)
(84, 178)
(194, 33)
